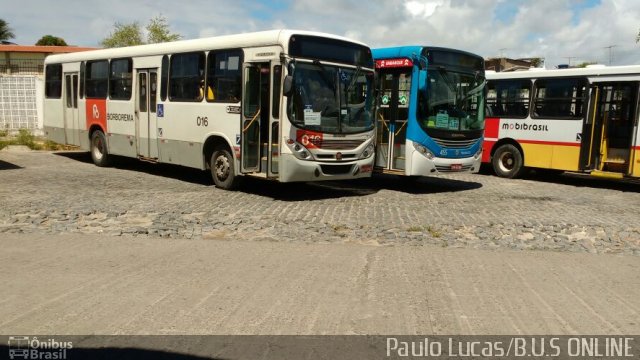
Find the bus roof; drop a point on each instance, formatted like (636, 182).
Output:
(409, 51)
(254, 39)
(543, 73)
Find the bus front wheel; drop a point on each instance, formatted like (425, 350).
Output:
(99, 150)
(507, 161)
(223, 170)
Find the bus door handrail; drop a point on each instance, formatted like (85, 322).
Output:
(244, 130)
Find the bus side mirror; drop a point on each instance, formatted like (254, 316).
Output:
(287, 86)
(422, 81)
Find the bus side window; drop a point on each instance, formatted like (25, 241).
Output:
(224, 76)
(186, 74)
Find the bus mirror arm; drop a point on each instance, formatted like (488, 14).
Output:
(422, 81)
(287, 87)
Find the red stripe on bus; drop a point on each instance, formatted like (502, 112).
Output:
(491, 127)
(486, 150)
(96, 111)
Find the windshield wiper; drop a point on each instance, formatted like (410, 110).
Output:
(354, 78)
(323, 74)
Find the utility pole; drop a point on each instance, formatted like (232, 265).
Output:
(502, 52)
(610, 47)
(569, 59)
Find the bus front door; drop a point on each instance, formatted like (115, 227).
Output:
(274, 127)
(395, 85)
(607, 144)
(71, 114)
(255, 118)
(146, 119)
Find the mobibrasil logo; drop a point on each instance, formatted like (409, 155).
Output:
(525, 127)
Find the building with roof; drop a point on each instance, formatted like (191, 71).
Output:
(20, 59)
(507, 64)
(21, 84)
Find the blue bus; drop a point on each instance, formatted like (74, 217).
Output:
(430, 116)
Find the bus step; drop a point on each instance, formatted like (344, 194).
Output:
(615, 161)
(606, 174)
(148, 159)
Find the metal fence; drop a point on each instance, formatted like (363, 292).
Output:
(19, 107)
(21, 67)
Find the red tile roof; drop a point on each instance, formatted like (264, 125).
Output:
(43, 49)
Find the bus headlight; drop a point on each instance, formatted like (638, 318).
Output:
(368, 152)
(299, 150)
(424, 151)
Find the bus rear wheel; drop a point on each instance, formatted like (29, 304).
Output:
(507, 162)
(99, 150)
(223, 169)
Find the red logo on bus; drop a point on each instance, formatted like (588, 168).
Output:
(309, 139)
(96, 110)
(393, 63)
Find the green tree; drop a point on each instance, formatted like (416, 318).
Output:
(131, 34)
(124, 35)
(585, 64)
(50, 40)
(158, 31)
(536, 62)
(6, 32)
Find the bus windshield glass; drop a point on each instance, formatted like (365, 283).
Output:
(331, 99)
(453, 96)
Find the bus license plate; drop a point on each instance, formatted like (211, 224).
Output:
(456, 167)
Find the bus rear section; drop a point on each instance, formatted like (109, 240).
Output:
(578, 120)
(430, 117)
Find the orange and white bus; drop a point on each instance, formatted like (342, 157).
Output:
(580, 120)
(283, 105)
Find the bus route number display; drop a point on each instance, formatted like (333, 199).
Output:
(393, 63)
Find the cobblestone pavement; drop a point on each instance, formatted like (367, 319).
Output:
(64, 192)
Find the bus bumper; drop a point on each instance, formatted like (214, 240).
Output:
(294, 169)
(422, 166)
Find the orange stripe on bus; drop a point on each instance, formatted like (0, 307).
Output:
(539, 142)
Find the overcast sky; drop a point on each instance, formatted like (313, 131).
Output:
(560, 31)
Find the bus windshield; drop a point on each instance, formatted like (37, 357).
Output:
(331, 99)
(452, 101)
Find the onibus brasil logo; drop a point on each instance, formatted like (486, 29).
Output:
(25, 347)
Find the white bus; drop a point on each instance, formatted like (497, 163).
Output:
(581, 120)
(281, 104)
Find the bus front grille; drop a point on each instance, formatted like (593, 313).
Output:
(455, 144)
(339, 144)
(442, 168)
(336, 169)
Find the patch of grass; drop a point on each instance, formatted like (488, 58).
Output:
(4, 143)
(26, 138)
(415, 229)
(434, 233)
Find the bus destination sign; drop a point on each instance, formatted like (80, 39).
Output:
(393, 63)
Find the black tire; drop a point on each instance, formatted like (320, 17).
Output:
(99, 149)
(507, 162)
(223, 169)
